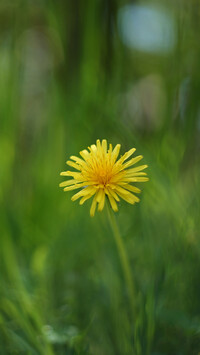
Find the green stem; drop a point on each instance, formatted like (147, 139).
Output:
(123, 256)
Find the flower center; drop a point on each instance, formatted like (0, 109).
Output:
(103, 176)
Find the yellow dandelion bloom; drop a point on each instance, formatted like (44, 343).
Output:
(100, 174)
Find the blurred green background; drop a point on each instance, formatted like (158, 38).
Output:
(72, 72)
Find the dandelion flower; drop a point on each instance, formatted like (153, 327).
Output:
(99, 174)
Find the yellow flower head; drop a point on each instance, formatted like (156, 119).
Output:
(99, 173)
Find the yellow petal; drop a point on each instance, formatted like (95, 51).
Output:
(73, 165)
(137, 174)
(129, 197)
(126, 155)
(104, 146)
(117, 177)
(84, 154)
(85, 198)
(98, 144)
(67, 182)
(85, 191)
(115, 153)
(113, 203)
(110, 149)
(75, 174)
(78, 160)
(93, 148)
(101, 202)
(136, 179)
(93, 207)
(120, 189)
(138, 168)
(132, 161)
(113, 193)
(99, 195)
(73, 187)
(132, 188)
(65, 173)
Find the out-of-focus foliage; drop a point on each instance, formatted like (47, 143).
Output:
(72, 72)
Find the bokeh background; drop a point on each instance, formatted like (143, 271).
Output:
(72, 72)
